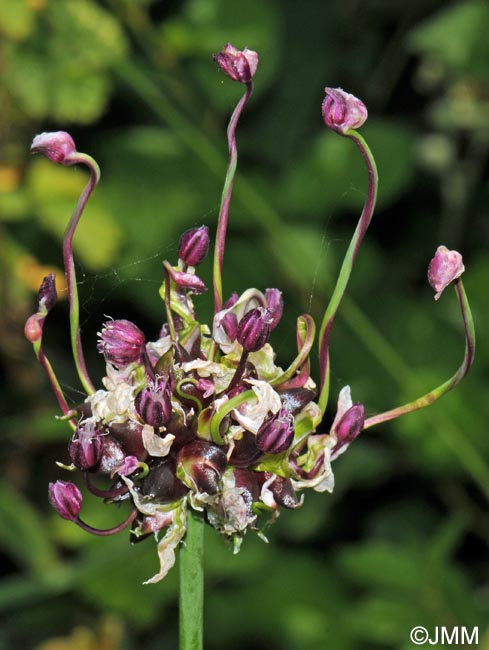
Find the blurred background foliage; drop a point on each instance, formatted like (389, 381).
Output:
(403, 540)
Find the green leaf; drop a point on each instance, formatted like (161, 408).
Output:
(22, 533)
(456, 37)
(54, 192)
(16, 19)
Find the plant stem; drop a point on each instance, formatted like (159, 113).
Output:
(191, 599)
(75, 159)
(346, 268)
(227, 191)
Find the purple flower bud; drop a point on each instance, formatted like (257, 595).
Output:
(153, 403)
(86, 447)
(276, 433)
(47, 296)
(121, 343)
(203, 465)
(275, 306)
(342, 111)
(57, 146)
(230, 325)
(349, 427)
(444, 268)
(238, 65)
(194, 245)
(254, 329)
(188, 281)
(66, 499)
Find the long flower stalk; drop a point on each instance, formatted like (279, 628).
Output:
(443, 389)
(346, 268)
(191, 594)
(227, 191)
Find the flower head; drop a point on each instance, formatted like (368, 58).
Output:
(343, 112)
(445, 267)
(239, 65)
(58, 146)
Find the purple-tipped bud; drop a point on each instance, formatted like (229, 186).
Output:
(66, 499)
(444, 268)
(276, 433)
(202, 465)
(254, 329)
(231, 301)
(188, 281)
(349, 426)
(342, 111)
(238, 65)
(121, 343)
(194, 245)
(275, 306)
(57, 146)
(230, 325)
(153, 403)
(87, 445)
(47, 296)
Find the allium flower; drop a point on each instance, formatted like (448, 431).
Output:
(238, 65)
(444, 268)
(57, 146)
(121, 343)
(343, 111)
(203, 424)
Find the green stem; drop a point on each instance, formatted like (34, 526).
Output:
(191, 599)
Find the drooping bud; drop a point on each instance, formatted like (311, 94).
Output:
(348, 427)
(239, 65)
(187, 281)
(231, 301)
(194, 245)
(153, 403)
(275, 306)
(66, 499)
(201, 466)
(57, 146)
(121, 343)
(342, 111)
(47, 296)
(276, 433)
(254, 329)
(87, 445)
(445, 267)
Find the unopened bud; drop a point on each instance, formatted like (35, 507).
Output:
(276, 433)
(254, 329)
(57, 146)
(87, 445)
(153, 403)
(445, 267)
(349, 426)
(121, 343)
(194, 245)
(230, 325)
(66, 499)
(238, 65)
(47, 296)
(342, 111)
(275, 306)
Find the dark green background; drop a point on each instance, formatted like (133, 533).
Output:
(403, 539)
